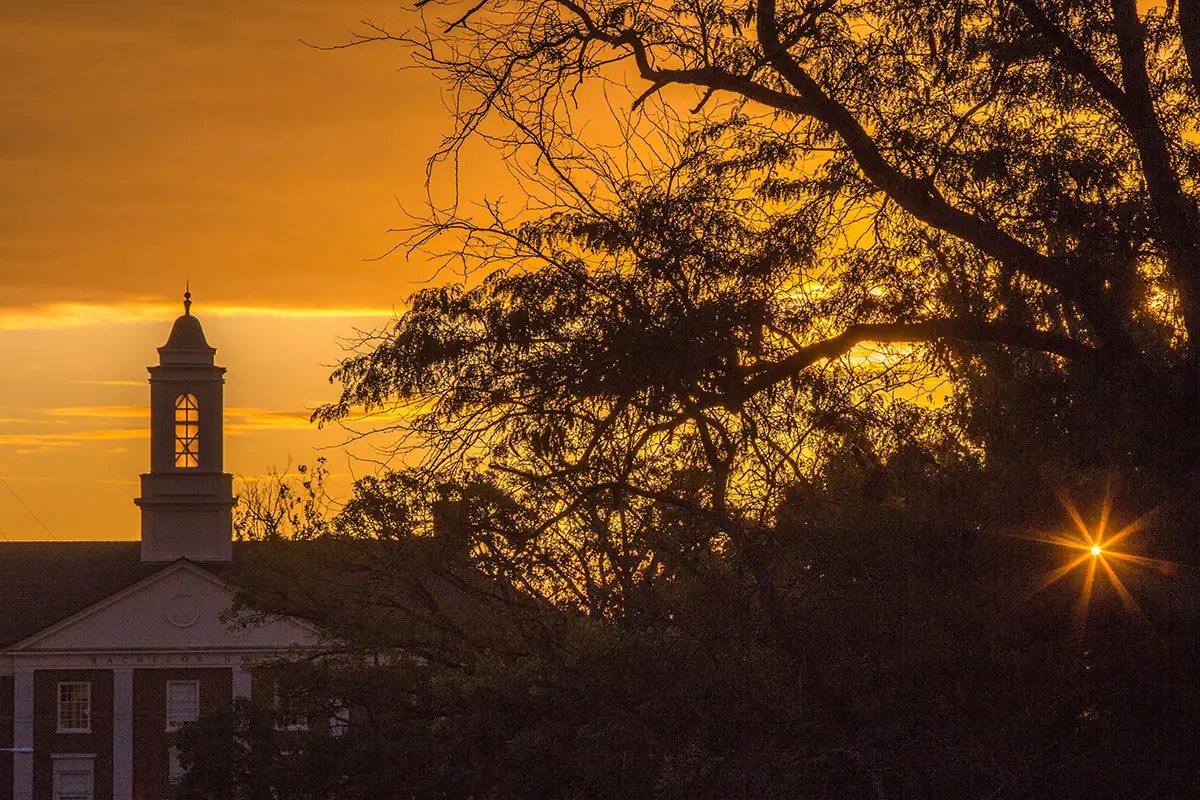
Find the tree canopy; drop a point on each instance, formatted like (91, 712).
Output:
(749, 412)
(993, 181)
(1053, 144)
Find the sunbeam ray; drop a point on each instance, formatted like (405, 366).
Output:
(1105, 512)
(1073, 512)
(1085, 596)
(1060, 573)
(1126, 598)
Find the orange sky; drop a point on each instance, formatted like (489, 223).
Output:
(145, 143)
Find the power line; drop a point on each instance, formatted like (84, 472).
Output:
(26, 507)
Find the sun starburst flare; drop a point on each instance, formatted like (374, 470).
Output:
(1099, 552)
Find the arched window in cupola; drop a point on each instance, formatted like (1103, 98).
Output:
(187, 431)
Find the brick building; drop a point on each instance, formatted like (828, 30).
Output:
(106, 648)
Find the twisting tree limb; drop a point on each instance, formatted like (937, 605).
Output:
(764, 375)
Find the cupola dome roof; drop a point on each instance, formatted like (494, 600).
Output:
(186, 344)
(186, 332)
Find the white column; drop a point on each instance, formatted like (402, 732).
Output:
(23, 735)
(241, 683)
(122, 751)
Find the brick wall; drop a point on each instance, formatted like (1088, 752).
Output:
(6, 732)
(47, 741)
(151, 740)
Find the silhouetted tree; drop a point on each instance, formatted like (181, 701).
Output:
(1021, 173)
(922, 670)
(689, 519)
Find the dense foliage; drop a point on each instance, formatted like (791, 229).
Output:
(731, 446)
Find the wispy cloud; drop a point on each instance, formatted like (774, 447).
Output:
(71, 439)
(107, 412)
(245, 418)
(139, 384)
(300, 313)
(239, 420)
(56, 316)
(77, 416)
(22, 422)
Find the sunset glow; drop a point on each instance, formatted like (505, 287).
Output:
(578, 398)
(150, 145)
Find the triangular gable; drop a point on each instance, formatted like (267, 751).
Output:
(177, 608)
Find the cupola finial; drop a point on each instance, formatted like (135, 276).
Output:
(187, 298)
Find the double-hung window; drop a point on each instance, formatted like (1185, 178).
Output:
(74, 707)
(183, 703)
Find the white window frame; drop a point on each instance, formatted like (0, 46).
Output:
(86, 707)
(177, 718)
(69, 765)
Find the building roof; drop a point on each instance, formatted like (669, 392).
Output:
(42, 583)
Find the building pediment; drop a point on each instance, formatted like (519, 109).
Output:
(179, 608)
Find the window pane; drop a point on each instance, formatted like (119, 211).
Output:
(76, 782)
(183, 703)
(187, 431)
(74, 706)
(73, 780)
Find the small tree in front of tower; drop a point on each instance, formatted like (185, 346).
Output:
(284, 506)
